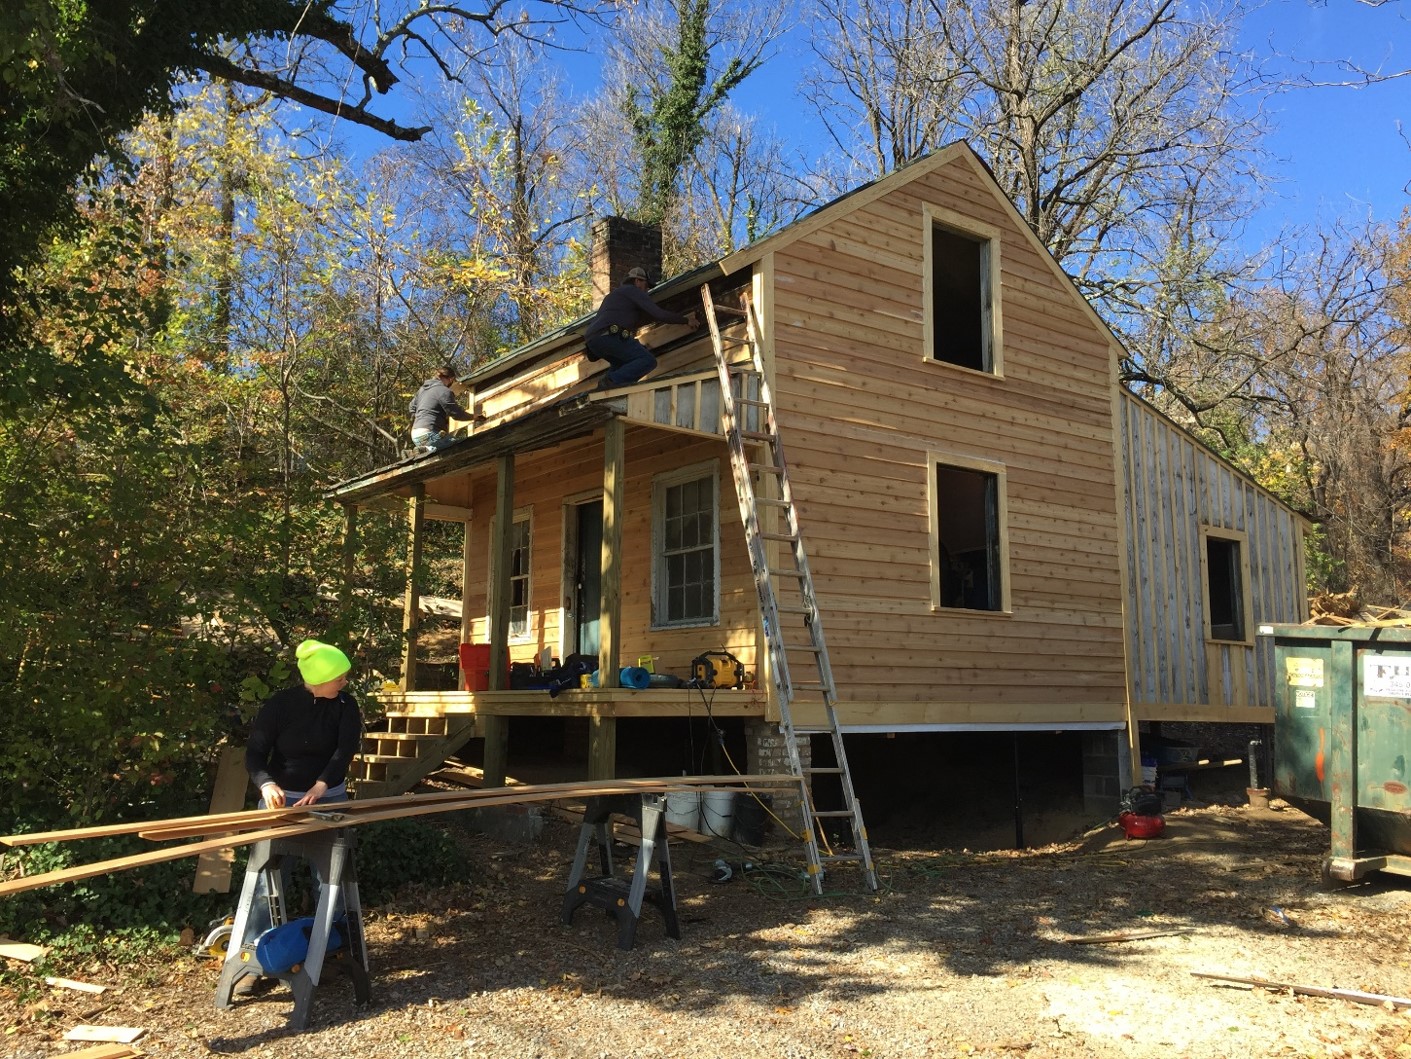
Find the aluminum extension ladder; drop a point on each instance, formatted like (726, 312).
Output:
(798, 655)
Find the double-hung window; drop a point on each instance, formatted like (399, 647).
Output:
(685, 555)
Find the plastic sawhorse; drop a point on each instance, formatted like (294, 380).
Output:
(622, 897)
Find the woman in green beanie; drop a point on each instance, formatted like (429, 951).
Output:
(300, 747)
(304, 737)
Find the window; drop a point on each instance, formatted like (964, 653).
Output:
(1226, 599)
(685, 567)
(968, 517)
(961, 276)
(519, 576)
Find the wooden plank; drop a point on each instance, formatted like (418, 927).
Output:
(69, 983)
(20, 950)
(254, 818)
(213, 868)
(119, 1034)
(411, 806)
(104, 1051)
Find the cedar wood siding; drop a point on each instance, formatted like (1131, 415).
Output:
(542, 482)
(860, 408)
(1174, 487)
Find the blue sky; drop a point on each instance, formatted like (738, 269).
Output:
(1335, 152)
(1341, 151)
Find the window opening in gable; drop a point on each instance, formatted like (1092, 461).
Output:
(959, 299)
(968, 525)
(1224, 588)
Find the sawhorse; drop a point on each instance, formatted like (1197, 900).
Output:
(330, 854)
(622, 898)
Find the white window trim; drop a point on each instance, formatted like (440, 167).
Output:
(1246, 590)
(934, 461)
(710, 469)
(939, 217)
(521, 514)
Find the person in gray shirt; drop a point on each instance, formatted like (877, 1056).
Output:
(432, 409)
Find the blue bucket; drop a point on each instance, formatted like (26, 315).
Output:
(279, 949)
(634, 677)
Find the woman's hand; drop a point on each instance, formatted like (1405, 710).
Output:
(317, 791)
(273, 795)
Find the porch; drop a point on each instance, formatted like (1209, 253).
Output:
(524, 420)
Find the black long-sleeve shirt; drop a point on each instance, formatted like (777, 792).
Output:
(298, 740)
(629, 307)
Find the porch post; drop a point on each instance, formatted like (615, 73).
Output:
(411, 609)
(602, 739)
(495, 728)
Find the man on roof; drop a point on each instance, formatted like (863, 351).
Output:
(610, 333)
(432, 409)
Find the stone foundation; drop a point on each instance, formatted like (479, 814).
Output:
(1106, 772)
(767, 753)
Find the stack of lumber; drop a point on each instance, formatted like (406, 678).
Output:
(220, 830)
(1345, 609)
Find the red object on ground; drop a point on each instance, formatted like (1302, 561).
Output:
(1135, 825)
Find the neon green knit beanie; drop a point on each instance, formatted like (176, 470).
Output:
(320, 662)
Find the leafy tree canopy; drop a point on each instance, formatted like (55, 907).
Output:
(77, 74)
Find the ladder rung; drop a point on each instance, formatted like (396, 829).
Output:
(789, 537)
(769, 501)
(773, 572)
(840, 857)
(830, 814)
(793, 608)
(831, 770)
(729, 309)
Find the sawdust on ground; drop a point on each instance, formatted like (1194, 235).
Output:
(960, 954)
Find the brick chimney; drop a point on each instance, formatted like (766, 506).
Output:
(620, 245)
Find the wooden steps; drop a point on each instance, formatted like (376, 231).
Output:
(414, 746)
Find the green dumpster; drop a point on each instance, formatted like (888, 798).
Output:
(1342, 738)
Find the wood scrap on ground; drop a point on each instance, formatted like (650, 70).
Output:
(69, 983)
(21, 950)
(118, 1034)
(103, 1051)
(1122, 935)
(1357, 997)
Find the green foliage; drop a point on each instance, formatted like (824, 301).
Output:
(397, 853)
(153, 903)
(669, 125)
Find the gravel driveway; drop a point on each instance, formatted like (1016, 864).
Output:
(961, 954)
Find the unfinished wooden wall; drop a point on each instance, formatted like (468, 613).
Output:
(1174, 486)
(861, 407)
(545, 479)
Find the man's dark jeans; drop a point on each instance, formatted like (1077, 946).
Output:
(630, 359)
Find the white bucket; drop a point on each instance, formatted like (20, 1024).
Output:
(717, 809)
(683, 808)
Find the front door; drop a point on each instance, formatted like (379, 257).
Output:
(588, 577)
